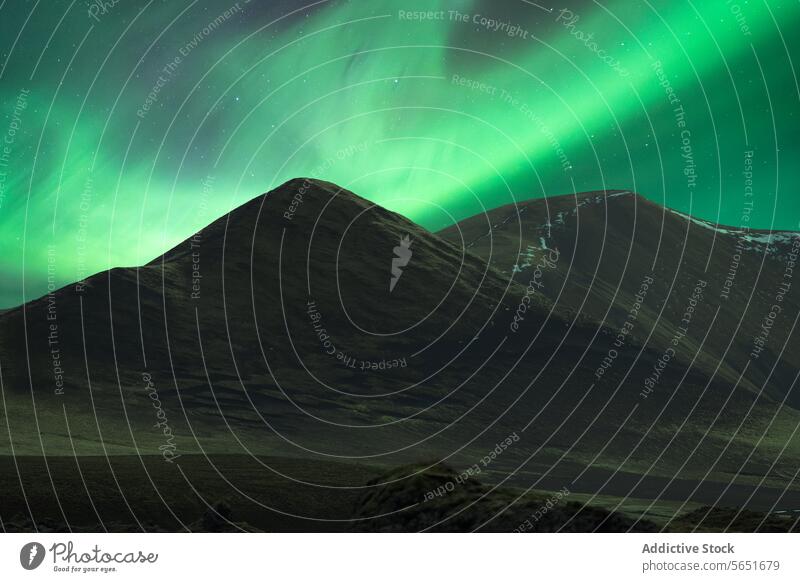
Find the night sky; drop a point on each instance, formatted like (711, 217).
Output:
(127, 126)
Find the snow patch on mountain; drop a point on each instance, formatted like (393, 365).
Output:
(772, 243)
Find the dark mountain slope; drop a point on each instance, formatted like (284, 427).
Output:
(274, 331)
(270, 328)
(611, 242)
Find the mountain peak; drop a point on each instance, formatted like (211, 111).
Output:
(297, 202)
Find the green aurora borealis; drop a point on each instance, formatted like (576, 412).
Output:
(128, 127)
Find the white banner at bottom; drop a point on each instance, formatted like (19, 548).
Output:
(398, 557)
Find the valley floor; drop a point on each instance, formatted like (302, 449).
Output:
(240, 493)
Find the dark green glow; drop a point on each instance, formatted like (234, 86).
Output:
(353, 93)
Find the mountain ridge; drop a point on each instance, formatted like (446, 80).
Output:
(290, 343)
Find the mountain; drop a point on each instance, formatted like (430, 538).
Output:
(280, 333)
(612, 242)
(314, 326)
